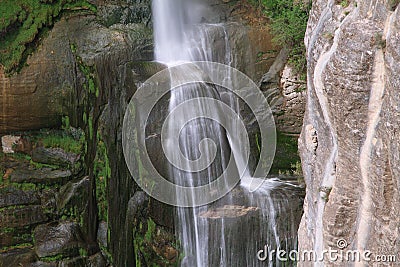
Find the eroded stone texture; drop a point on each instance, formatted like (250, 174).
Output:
(41, 176)
(18, 257)
(350, 139)
(10, 196)
(54, 156)
(58, 239)
(23, 216)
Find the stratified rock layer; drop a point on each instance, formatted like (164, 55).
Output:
(350, 141)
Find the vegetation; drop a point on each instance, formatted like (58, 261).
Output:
(22, 22)
(286, 160)
(63, 141)
(393, 4)
(150, 241)
(288, 24)
(102, 173)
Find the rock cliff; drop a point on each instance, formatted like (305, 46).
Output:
(350, 139)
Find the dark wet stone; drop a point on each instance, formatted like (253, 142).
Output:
(12, 237)
(54, 156)
(22, 216)
(11, 196)
(48, 200)
(102, 234)
(17, 257)
(161, 213)
(73, 195)
(228, 211)
(42, 176)
(97, 260)
(43, 264)
(58, 239)
(74, 262)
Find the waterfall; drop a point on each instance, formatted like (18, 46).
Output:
(230, 231)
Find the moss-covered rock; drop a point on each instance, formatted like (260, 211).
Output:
(23, 21)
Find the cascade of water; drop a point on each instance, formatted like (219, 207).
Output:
(230, 231)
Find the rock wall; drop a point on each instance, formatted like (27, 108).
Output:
(350, 139)
(42, 92)
(44, 207)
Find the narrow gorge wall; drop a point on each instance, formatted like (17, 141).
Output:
(350, 142)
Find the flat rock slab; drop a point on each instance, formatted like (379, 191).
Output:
(54, 156)
(42, 176)
(228, 211)
(17, 217)
(63, 238)
(18, 257)
(11, 196)
(12, 237)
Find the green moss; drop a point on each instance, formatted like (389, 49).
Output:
(53, 258)
(102, 172)
(287, 159)
(83, 252)
(24, 245)
(23, 21)
(24, 186)
(63, 141)
(90, 125)
(147, 237)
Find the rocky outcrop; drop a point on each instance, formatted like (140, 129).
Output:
(41, 206)
(350, 141)
(285, 91)
(42, 92)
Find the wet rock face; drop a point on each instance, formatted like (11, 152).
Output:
(54, 239)
(43, 91)
(41, 206)
(350, 139)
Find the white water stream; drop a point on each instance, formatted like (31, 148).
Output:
(232, 230)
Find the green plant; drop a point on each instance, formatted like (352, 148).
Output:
(288, 25)
(345, 3)
(63, 141)
(380, 41)
(286, 160)
(23, 22)
(66, 125)
(147, 238)
(393, 4)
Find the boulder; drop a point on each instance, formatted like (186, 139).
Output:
(42, 176)
(54, 156)
(64, 238)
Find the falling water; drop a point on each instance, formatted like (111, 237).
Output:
(230, 231)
